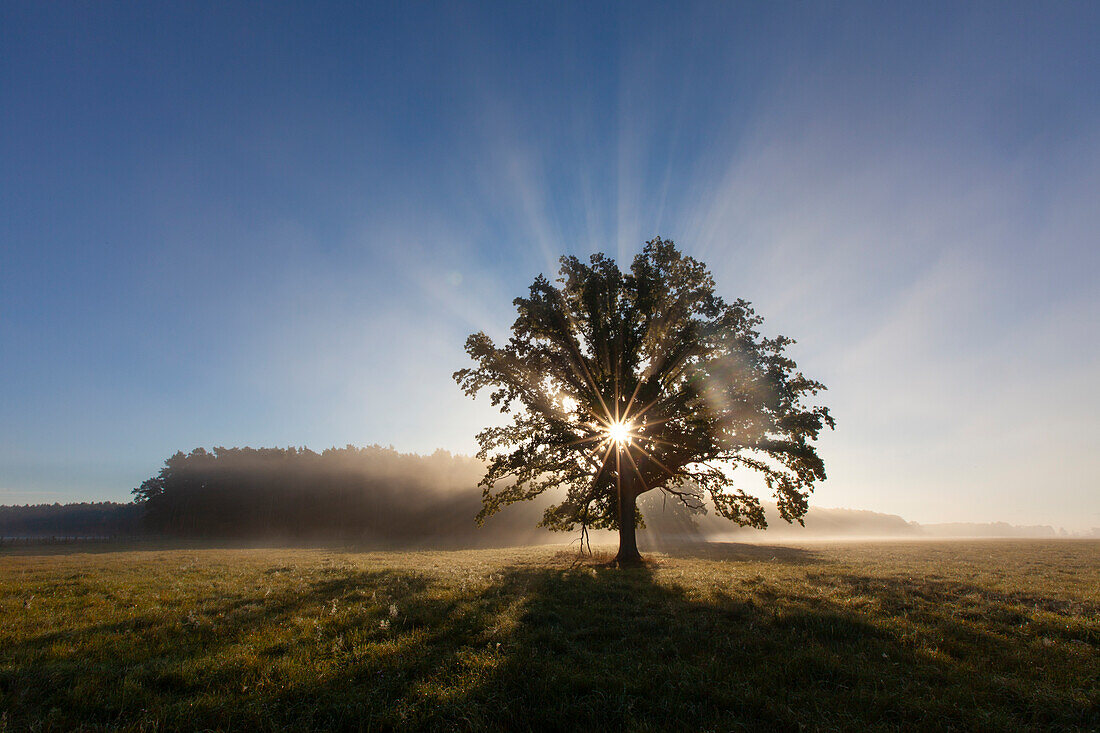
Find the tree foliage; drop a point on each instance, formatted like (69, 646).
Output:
(618, 383)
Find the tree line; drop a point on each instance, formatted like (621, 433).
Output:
(368, 493)
(86, 519)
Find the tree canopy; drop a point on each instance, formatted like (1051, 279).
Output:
(618, 383)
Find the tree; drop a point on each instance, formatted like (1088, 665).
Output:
(622, 383)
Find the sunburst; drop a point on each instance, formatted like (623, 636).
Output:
(619, 432)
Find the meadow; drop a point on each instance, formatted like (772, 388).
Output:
(960, 635)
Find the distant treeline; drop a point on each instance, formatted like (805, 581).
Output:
(372, 494)
(377, 496)
(94, 519)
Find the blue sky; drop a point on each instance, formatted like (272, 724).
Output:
(274, 224)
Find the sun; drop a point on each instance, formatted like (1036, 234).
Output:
(619, 432)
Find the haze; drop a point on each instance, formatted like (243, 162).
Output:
(265, 226)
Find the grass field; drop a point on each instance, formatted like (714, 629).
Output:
(990, 635)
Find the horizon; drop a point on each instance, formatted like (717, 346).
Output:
(238, 226)
(769, 504)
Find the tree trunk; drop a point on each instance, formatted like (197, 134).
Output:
(628, 541)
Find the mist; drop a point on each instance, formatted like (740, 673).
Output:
(381, 498)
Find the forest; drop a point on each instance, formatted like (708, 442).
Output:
(84, 520)
(372, 493)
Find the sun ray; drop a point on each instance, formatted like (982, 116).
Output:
(652, 403)
(581, 441)
(630, 402)
(618, 368)
(653, 458)
(637, 470)
(584, 364)
(602, 465)
(662, 441)
(661, 421)
(602, 421)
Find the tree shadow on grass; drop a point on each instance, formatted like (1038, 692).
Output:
(582, 647)
(196, 653)
(595, 647)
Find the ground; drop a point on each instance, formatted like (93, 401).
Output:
(991, 635)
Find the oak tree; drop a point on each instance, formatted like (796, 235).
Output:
(619, 383)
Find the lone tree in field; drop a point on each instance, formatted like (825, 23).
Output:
(622, 383)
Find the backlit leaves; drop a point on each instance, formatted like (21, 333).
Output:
(703, 391)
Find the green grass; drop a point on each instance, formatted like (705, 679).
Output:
(990, 635)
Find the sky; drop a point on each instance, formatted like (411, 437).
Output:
(275, 224)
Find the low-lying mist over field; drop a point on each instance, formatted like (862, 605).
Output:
(383, 498)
